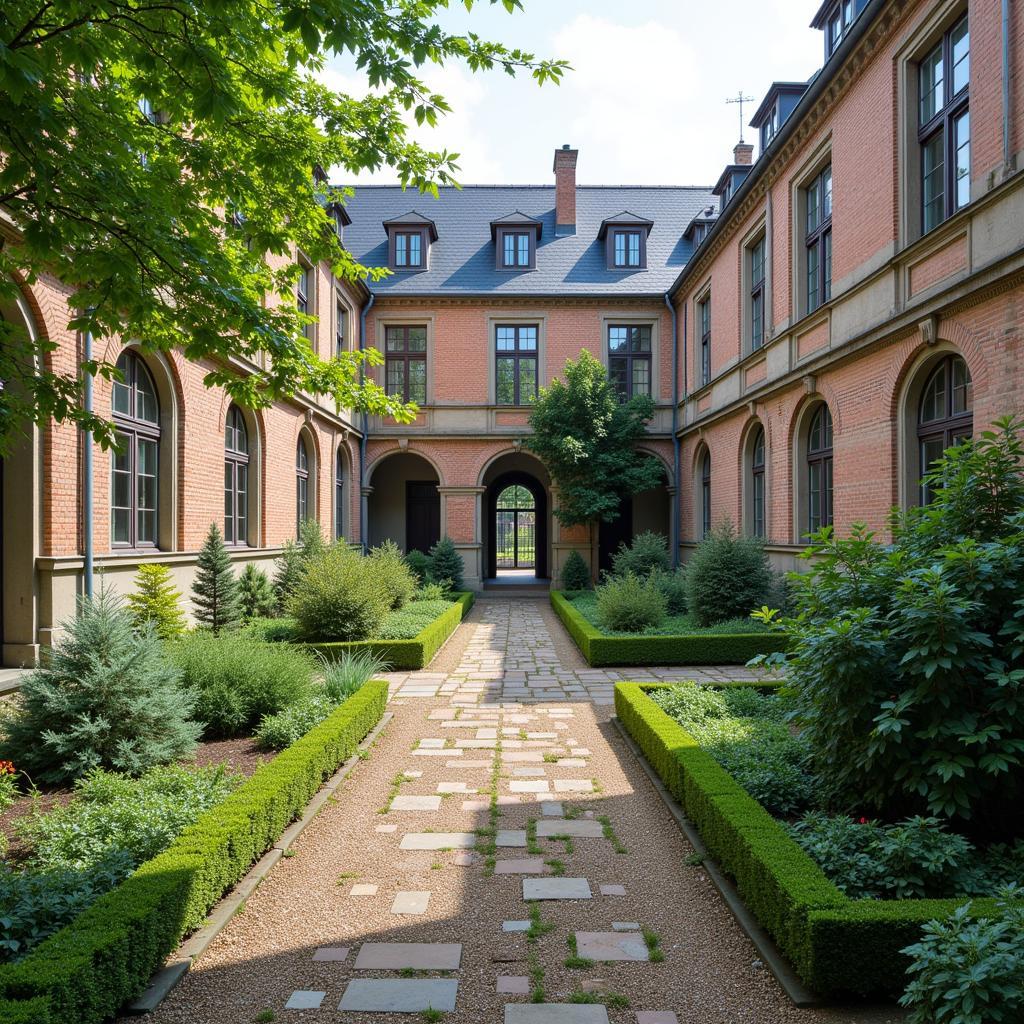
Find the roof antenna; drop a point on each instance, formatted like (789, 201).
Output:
(740, 99)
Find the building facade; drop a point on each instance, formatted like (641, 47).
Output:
(814, 329)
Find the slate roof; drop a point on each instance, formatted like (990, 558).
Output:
(462, 260)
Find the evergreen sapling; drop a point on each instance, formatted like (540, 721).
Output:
(155, 601)
(215, 590)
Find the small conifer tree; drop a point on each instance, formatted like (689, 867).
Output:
(446, 565)
(155, 601)
(256, 598)
(215, 590)
(575, 574)
(291, 564)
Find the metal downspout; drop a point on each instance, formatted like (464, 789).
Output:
(1006, 86)
(676, 453)
(365, 421)
(87, 474)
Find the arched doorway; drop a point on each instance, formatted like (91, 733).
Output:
(647, 511)
(404, 504)
(515, 529)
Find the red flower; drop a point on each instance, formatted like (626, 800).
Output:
(7, 768)
(862, 821)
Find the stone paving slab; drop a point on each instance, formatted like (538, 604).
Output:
(510, 837)
(302, 999)
(520, 866)
(574, 786)
(552, 808)
(410, 902)
(613, 890)
(555, 1013)
(611, 946)
(656, 1017)
(331, 954)
(578, 828)
(403, 995)
(437, 840)
(625, 926)
(515, 926)
(556, 888)
(528, 786)
(513, 985)
(419, 956)
(363, 889)
(416, 803)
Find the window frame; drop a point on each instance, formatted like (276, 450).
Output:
(842, 15)
(952, 427)
(757, 291)
(705, 493)
(818, 240)
(339, 492)
(406, 356)
(236, 463)
(341, 313)
(758, 484)
(704, 327)
(627, 232)
(516, 233)
(135, 430)
(629, 357)
(943, 122)
(302, 478)
(407, 234)
(822, 459)
(518, 355)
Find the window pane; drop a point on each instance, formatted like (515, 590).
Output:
(401, 254)
(146, 491)
(506, 378)
(757, 320)
(960, 47)
(813, 206)
(418, 381)
(634, 248)
(962, 135)
(641, 376)
(524, 250)
(394, 339)
(758, 509)
(814, 496)
(931, 452)
(813, 297)
(963, 391)
(933, 400)
(509, 245)
(395, 377)
(620, 248)
(618, 339)
(617, 369)
(757, 263)
(528, 339)
(826, 273)
(527, 381)
(122, 398)
(930, 84)
(417, 339)
(826, 193)
(506, 339)
(827, 492)
(415, 242)
(229, 502)
(933, 170)
(242, 502)
(145, 396)
(641, 339)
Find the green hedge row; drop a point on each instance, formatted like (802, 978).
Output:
(838, 946)
(415, 653)
(695, 649)
(105, 957)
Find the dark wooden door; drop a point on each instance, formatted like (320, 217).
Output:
(422, 515)
(611, 535)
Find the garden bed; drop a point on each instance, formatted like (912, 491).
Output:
(86, 971)
(837, 945)
(708, 646)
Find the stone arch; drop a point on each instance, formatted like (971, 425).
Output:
(509, 467)
(799, 426)
(399, 450)
(403, 500)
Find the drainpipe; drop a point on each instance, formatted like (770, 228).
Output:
(676, 453)
(365, 427)
(87, 473)
(1006, 86)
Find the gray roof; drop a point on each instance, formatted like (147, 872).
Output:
(462, 260)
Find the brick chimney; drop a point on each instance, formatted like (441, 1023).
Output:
(743, 153)
(565, 190)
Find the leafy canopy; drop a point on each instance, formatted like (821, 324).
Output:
(173, 228)
(587, 439)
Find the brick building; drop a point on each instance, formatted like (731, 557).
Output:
(814, 329)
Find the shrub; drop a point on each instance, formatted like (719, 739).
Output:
(109, 698)
(908, 659)
(272, 630)
(575, 574)
(339, 598)
(647, 553)
(968, 970)
(419, 565)
(215, 590)
(237, 679)
(392, 573)
(255, 594)
(290, 566)
(446, 565)
(155, 601)
(405, 624)
(430, 592)
(627, 604)
(672, 586)
(727, 577)
(350, 672)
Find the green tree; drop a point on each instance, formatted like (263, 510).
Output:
(256, 598)
(587, 439)
(155, 155)
(156, 600)
(215, 589)
(446, 565)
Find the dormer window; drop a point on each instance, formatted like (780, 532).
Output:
(515, 239)
(409, 239)
(408, 249)
(515, 249)
(625, 237)
(769, 128)
(839, 22)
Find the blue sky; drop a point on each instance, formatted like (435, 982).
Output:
(645, 103)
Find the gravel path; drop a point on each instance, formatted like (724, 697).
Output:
(264, 958)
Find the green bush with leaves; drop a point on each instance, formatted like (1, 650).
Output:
(290, 566)
(415, 616)
(256, 598)
(156, 600)
(908, 659)
(628, 604)
(727, 576)
(969, 970)
(340, 597)
(646, 553)
(446, 565)
(672, 586)
(108, 698)
(393, 573)
(575, 574)
(419, 566)
(215, 589)
(237, 679)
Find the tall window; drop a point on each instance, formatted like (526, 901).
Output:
(757, 251)
(302, 290)
(757, 519)
(134, 476)
(408, 249)
(839, 23)
(339, 494)
(818, 240)
(629, 360)
(515, 249)
(516, 364)
(705, 494)
(406, 362)
(626, 248)
(301, 483)
(819, 470)
(236, 478)
(944, 416)
(704, 310)
(944, 127)
(340, 322)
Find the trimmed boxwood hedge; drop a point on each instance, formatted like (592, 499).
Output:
(838, 946)
(400, 654)
(88, 970)
(693, 649)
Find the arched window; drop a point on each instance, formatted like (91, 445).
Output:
(301, 483)
(757, 491)
(339, 494)
(515, 528)
(705, 494)
(819, 470)
(236, 478)
(944, 416)
(134, 478)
